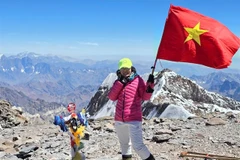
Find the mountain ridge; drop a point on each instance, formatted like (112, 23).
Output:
(171, 90)
(227, 84)
(54, 79)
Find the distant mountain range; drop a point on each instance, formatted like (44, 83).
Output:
(29, 77)
(51, 78)
(227, 84)
(29, 105)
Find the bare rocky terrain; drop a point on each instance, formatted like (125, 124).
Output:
(29, 137)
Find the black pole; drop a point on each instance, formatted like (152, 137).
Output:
(153, 67)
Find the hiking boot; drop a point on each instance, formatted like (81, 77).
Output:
(126, 157)
(150, 157)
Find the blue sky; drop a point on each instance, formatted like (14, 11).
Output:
(99, 29)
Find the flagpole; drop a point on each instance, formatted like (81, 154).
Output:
(153, 67)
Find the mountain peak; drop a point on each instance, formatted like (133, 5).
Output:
(173, 94)
(1, 55)
(28, 54)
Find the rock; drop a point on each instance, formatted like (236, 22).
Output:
(164, 131)
(161, 138)
(18, 109)
(215, 121)
(174, 128)
(109, 127)
(15, 138)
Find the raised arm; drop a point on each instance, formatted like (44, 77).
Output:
(115, 90)
(146, 89)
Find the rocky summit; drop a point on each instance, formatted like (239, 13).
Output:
(30, 137)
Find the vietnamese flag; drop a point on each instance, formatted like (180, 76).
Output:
(192, 37)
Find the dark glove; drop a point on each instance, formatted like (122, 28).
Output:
(123, 80)
(118, 73)
(149, 90)
(150, 79)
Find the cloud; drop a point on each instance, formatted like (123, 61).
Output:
(88, 43)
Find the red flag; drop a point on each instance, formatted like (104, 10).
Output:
(192, 37)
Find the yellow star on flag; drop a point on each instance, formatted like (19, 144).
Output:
(194, 33)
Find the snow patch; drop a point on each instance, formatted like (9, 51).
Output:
(107, 110)
(176, 112)
(108, 82)
(13, 68)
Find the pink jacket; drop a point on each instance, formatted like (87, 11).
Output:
(129, 98)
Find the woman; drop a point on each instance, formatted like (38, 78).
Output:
(130, 90)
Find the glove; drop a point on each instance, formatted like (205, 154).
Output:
(125, 80)
(149, 90)
(118, 73)
(150, 79)
(122, 79)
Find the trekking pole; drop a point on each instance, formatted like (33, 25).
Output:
(207, 156)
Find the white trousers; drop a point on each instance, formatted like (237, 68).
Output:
(130, 134)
